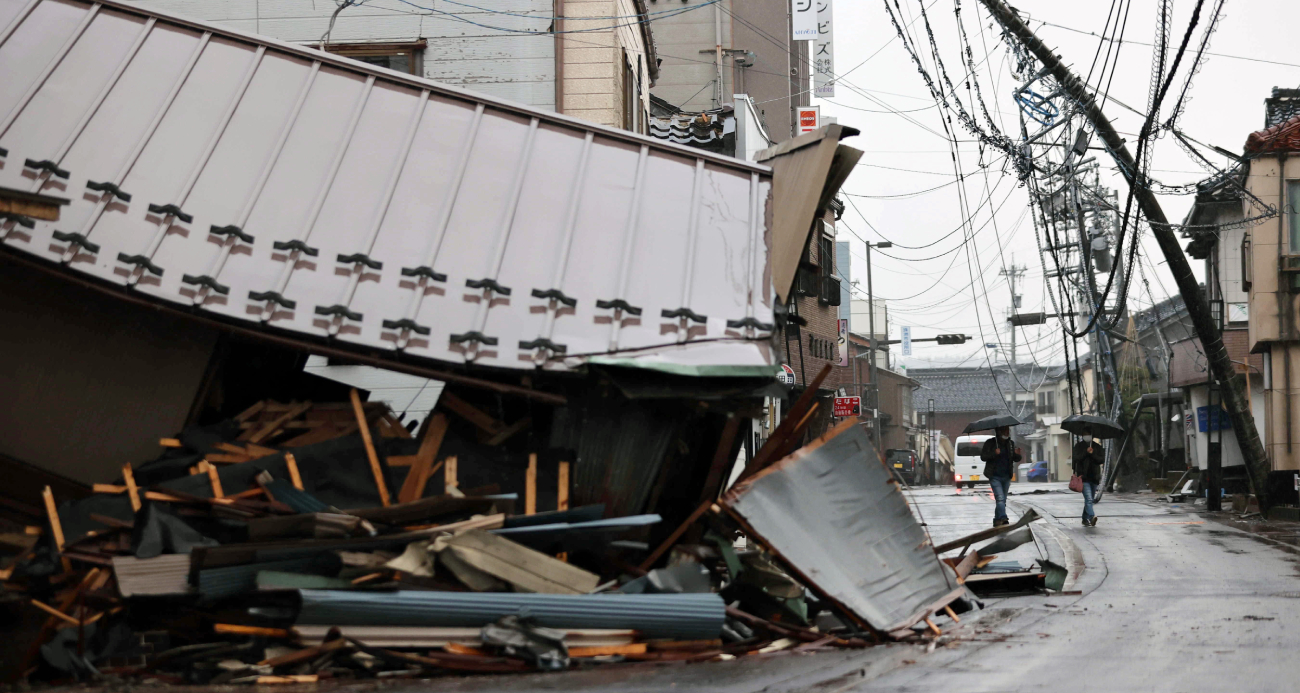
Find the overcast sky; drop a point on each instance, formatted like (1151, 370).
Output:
(935, 295)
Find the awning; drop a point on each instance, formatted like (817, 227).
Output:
(294, 191)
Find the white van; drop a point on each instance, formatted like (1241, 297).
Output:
(968, 468)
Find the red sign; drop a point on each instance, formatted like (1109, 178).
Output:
(848, 406)
(809, 118)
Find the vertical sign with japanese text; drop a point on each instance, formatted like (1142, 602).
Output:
(803, 20)
(844, 342)
(823, 53)
(907, 341)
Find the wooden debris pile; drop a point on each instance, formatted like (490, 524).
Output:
(304, 541)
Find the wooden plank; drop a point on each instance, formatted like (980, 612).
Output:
(776, 446)
(108, 488)
(56, 526)
(294, 477)
(131, 488)
(237, 629)
(218, 458)
(319, 434)
(370, 447)
(285, 679)
(966, 565)
(170, 442)
(562, 493)
(951, 614)
(509, 431)
(214, 479)
(398, 428)
(481, 420)
(630, 648)
(449, 475)
(721, 460)
(528, 570)
(933, 628)
(275, 424)
(400, 460)
(422, 467)
(54, 612)
(256, 451)
(251, 411)
(530, 486)
(650, 560)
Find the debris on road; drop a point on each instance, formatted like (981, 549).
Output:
(271, 548)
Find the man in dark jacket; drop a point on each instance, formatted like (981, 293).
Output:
(1000, 458)
(1087, 458)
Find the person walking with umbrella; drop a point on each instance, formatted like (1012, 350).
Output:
(1086, 459)
(1000, 458)
(1088, 456)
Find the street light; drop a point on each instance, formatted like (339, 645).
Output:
(871, 343)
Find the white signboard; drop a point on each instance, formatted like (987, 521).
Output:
(844, 342)
(810, 118)
(907, 341)
(823, 53)
(803, 20)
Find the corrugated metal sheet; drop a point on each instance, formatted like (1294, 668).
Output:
(832, 514)
(682, 616)
(277, 186)
(168, 574)
(416, 636)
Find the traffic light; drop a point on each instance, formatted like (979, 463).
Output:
(951, 339)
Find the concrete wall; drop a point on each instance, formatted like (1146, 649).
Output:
(761, 26)
(686, 73)
(498, 61)
(594, 71)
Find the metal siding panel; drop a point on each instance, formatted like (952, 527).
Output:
(71, 88)
(37, 41)
(679, 616)
(832, 513)
(154, 132)
(165, 162)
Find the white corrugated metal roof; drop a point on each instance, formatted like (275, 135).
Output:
(271, 184)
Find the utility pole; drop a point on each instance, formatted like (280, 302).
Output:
(871, 340)
(1013, 273)
(1198, 309)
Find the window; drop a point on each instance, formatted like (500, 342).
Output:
(1292, 212)
(1247, 271)
(1047, 402)
(402, 57)
(968, 449)
(631, 96)
(829, 295)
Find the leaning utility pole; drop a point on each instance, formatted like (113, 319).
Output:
(1233, 391)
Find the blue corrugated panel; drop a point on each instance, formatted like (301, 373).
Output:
(678, 616)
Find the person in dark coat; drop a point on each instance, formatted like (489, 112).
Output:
(1000, 458)
(1087, 458)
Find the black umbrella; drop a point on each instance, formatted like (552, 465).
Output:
(989, 423)
(1099, 426)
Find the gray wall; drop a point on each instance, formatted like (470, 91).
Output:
(89, 381)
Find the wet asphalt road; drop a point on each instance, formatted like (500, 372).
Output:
(1170, 601)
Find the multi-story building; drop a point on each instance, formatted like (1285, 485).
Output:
(584, 58)
(729, 47)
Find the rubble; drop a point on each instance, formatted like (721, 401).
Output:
(265, 549)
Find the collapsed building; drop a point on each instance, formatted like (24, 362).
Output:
(216, 208)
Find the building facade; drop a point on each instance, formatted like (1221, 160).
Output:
(579, 57)
(731, 47)
(1271, 271)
